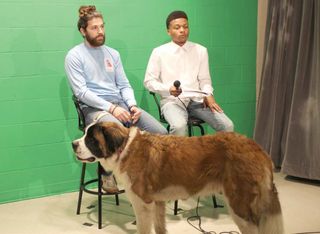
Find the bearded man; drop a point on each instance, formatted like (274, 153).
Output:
(98, 80)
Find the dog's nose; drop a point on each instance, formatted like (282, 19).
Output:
(75, 145)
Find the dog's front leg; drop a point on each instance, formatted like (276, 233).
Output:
(143, 212)
(159, 217)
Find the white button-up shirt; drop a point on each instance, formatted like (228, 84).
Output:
(188, 63)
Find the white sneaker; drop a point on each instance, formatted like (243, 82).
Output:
(109, 184)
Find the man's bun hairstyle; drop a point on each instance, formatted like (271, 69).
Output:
(86, 13)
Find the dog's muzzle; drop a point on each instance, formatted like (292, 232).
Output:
(75, 145)
(77, 151)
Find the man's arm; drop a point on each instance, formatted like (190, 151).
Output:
(76, 77)
(152, 77)
(204, 77)
(123, 84)
(206, 84)
(127, 94)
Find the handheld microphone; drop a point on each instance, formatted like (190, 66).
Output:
(177, 84)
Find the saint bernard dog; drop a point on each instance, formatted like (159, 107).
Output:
(156, 168)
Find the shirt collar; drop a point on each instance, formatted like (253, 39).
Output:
(185, 47)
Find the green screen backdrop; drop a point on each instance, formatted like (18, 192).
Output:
(38, 120)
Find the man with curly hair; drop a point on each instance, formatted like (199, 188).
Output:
(98, 80)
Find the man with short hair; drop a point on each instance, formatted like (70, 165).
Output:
(98, 80)
(186, 63)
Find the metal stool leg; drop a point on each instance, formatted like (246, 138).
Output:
(190, 133)
(116, 195)
(201, 130)
(117, 199)
(215, 203)
(83, 183)
(99, 197)
(214, 200)
(175, 210)
(190, 130)
(83, 172)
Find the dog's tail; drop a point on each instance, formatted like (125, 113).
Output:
(271, 221)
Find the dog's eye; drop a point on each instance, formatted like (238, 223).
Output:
(91, 141)
(93, 146)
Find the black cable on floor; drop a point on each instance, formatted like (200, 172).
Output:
(199, 228)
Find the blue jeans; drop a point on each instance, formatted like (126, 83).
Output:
(146, 121)
(177, 116)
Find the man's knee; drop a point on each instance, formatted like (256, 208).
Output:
(163, 131)
(178, 129)
(227, 126)
(159, 129)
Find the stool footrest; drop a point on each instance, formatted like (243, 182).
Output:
(97, 192)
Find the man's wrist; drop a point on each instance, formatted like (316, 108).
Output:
(130, 107)
(112, 108)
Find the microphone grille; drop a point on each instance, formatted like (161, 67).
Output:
(176, 84)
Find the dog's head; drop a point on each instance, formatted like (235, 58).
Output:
(101, 140)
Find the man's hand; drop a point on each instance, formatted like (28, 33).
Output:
(174, 91)
(135, 114)
(121, 114)
(210, 102)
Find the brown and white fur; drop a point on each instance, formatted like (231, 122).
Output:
(157, 168)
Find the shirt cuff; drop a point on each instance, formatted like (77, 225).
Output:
(131, 103)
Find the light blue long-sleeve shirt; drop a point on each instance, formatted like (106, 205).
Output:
(97, 77)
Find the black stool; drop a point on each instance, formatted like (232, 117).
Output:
(83, 183)
(192, 122)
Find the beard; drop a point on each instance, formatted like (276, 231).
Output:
(96, 41)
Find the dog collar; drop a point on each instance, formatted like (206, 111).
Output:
(122, 151)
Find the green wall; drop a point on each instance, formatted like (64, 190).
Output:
(38, 119)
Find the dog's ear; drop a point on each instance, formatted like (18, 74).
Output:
(113, 137)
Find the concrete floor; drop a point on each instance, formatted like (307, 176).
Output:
(300, 200)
